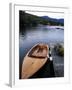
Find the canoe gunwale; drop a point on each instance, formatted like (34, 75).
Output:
(35, 47)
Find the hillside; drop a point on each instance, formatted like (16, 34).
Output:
(54, 19)
(28, 20)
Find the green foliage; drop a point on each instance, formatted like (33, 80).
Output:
(59, 49)
(28, 20)
(44, 22)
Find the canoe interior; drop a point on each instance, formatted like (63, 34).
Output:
(39, 51)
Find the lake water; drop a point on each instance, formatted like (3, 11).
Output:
(40, 34)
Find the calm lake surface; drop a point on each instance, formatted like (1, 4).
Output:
(42, 34)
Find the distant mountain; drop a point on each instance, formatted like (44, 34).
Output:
(53, 19)
(61, 20)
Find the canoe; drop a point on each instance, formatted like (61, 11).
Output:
(34, 60)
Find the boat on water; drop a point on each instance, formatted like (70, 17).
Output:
(34, 60)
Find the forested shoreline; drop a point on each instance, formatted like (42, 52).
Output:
(28, 20)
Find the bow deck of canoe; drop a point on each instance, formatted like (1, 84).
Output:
(36, 63)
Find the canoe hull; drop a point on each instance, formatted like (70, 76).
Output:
(31, 65)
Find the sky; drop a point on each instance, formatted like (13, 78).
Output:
(50, 14)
